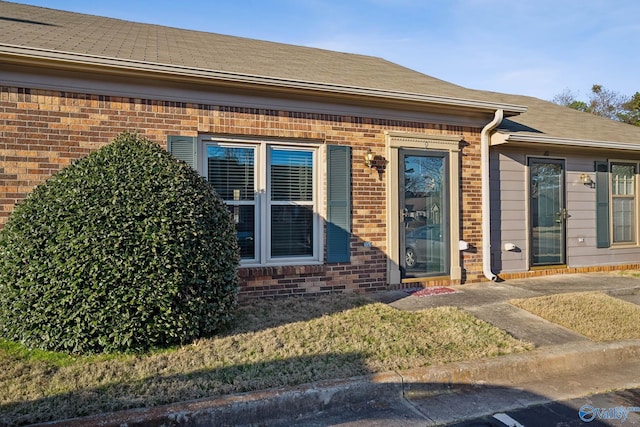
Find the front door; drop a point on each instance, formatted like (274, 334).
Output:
(424, 229)
(548, 211)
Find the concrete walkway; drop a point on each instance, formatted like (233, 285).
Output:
(562, 366)
(489, 302)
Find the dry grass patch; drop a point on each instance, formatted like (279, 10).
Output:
(629, 273)
(274, 343)
(592, 314)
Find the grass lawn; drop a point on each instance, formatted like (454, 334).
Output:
(273, 343)
(629, 273)
(592, 314)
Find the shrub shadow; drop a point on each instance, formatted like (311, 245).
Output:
(166, 389)
(362, 401)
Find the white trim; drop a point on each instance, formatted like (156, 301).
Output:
(242, 78)
(424, 142)
(268, 204)
(256, 203)
(636, 211)
(609, 145)
(449, 144)
(262, 192)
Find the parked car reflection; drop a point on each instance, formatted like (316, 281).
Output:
(424, 246)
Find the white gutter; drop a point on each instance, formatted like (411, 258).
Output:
(573, 142)
(243, 78)
(486, 201)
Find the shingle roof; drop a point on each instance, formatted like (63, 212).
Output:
(57, 30)
(545, 119)
(43, 29)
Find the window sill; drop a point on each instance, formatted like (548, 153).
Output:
(547, 267)
(624, 246)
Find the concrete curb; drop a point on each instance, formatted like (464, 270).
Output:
(289, 404)
(538, 365)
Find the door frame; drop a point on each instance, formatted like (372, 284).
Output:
(563, 192)
(396, 141)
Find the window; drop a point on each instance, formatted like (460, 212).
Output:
(271, 191)
(231, 170)
(291, 202)
(623, 202)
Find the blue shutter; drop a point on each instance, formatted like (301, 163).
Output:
(184, 148)
(602, 205)
(338, 203)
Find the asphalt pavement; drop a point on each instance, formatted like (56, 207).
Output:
(616, 408)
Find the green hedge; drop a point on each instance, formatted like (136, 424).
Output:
(127, 249)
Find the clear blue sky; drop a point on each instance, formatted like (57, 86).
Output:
(529, 47)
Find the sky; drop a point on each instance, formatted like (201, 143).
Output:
(539, 48)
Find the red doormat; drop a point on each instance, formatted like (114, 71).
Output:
(435, 290)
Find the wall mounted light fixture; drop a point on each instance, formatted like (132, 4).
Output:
(585, 178)
(369, 158)
(376, 162)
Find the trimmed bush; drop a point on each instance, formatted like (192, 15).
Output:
(127, 249)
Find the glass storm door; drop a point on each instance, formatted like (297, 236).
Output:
(425, 222)
(548, 212)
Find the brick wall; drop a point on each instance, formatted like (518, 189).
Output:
(43, 131)
(471, 205)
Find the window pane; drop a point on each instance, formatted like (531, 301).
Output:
(623, 219)
(291, 175)
(622, 179)
(231, 171)
(291, 231)
(244, 217)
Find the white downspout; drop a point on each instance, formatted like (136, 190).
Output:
(486, 197)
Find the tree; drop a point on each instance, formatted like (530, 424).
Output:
(631, 113)
(569, 99)
(605, 103)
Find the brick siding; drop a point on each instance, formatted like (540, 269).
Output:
(43, 131)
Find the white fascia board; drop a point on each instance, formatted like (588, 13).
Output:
(607, 145)
(233, 77)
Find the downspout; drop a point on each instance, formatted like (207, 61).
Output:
(486, 197)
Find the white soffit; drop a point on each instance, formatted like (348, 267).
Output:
(498, 139)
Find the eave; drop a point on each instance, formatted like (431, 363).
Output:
(502, 138)
(77, 61)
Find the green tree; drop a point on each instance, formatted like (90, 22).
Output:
(605, 103)
(631, 113)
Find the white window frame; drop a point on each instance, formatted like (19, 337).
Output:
(636, 214)
(262, 200)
